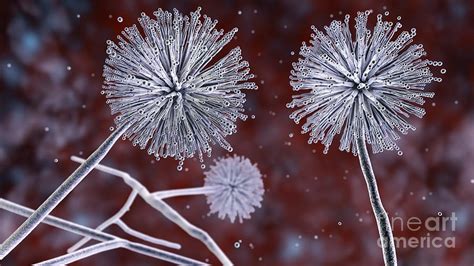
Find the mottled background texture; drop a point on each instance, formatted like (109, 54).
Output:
(316, 209)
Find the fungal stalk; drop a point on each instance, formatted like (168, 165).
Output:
(365, 89)
(108, 241)
(167, 95)
(61, 192)
(381, 216)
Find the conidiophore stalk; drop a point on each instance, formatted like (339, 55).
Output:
(61, 192)
(100, 236)
(383, 221)
(166, 210)
(180, 192)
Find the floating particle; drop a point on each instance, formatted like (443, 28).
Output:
(239, 12)
(46, 129)
(68, 68)
(120, 19)
(237, 244)
(9, 65)
(56, 160)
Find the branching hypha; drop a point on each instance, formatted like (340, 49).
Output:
(365, 89)
(168, 93)
(233, 186)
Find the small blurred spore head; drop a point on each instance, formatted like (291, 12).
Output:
(238, 188)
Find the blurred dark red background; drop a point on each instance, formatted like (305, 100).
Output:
(315, 210)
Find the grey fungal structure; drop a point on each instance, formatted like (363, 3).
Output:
(164, 86)
(238, 188)
(170, 92)
(364, 88)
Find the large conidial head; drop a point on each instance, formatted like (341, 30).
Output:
(166, 82)
(368, 85)
(238, 188)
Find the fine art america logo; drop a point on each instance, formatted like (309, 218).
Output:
(435, 231)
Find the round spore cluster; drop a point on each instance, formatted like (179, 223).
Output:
(364, 86)
(238, 188)
(167, 83)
